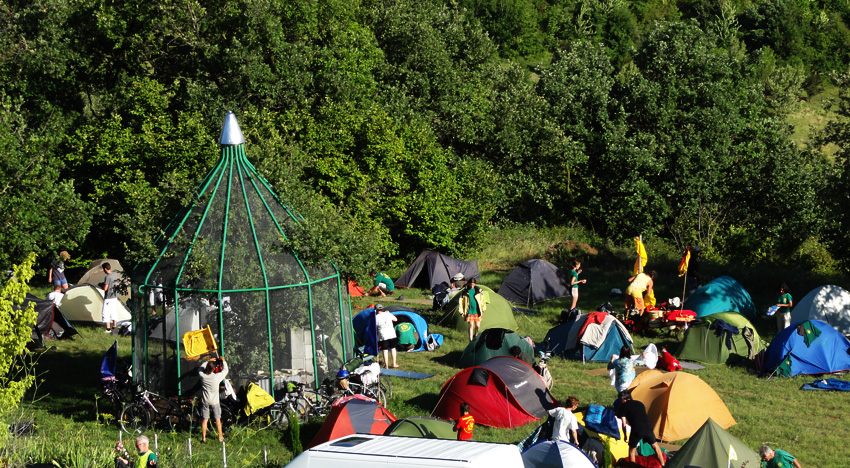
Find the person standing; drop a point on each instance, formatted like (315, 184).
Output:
(777, 458)
(111, 303)
(212, 373)
(56, 276)
(465, 424)
(633, 414)
(624, 368)
(384, 286)
(387, 339)
(574, 282)
(147, 459)
(784, 304)
(472, 306)
(640, 285)
(566, 423)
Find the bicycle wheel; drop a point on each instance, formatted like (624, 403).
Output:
(320, 403)
(387, 386)
(301, 407)
(135, 418)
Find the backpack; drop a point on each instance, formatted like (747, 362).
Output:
(434, 341)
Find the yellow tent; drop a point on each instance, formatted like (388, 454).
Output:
(678, 403)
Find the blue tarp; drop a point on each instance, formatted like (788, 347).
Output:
(826, 354)
(723, 294)
(366, 331)
(828, 384)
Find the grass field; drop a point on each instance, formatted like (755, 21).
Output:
(74, 430)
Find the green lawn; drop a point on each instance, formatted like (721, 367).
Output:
(74, 430)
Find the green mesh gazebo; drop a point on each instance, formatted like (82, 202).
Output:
(222, 264)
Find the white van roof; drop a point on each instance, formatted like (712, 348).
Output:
(418, 451)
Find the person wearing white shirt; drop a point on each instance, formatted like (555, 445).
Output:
(566, 423)
(387, 339)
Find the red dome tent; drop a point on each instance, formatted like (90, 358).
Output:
(354, 414)
(501, 392)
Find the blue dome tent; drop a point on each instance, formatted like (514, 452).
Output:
(366, 332)
(810, 347)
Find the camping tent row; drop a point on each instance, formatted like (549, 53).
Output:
(534, 281)
(502, 392)
(588, 337)
(809, 347)
(830, 304)
(725, 337)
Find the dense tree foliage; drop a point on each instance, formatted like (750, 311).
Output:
(396, 125)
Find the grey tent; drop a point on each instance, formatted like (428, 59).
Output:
(49, 323)
(534, 281)
(432, 268)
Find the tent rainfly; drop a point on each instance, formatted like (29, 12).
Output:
(534, 281)
(722, 294)
(830, 304)
(432, 268)
(223, 262)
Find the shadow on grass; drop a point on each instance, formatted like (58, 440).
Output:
(69, 385)
(425, 402)
(449, 359)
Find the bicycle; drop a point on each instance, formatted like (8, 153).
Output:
(305, 403)
(148, 410)
(367, 382)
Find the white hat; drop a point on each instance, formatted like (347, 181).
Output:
(457, 277)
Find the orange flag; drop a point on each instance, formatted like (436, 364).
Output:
(683, 266)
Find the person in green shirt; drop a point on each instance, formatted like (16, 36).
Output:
(384, 286)
(147, 459)
(406, 333)
(472, 306)
(574, 282)
(783, 314)
(777, 458)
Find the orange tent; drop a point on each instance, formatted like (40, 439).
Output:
(678, 403)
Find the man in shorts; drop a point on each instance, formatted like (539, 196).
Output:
(111, 303)
(212, 373)
(633, 414)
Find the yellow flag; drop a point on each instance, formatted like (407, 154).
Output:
(732, 454)
(199, 342)
(642, 258)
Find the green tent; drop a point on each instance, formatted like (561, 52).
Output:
(703, 344)
(711, 446)
(490, 343)
(420, 426)
(499, 314)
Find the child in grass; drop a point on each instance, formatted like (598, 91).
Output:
(465, 424)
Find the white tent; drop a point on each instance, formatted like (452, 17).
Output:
(95, 275)
(555, 454)
(830, 304)
(84, 303)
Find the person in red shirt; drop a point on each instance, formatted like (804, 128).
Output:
(465, 423)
